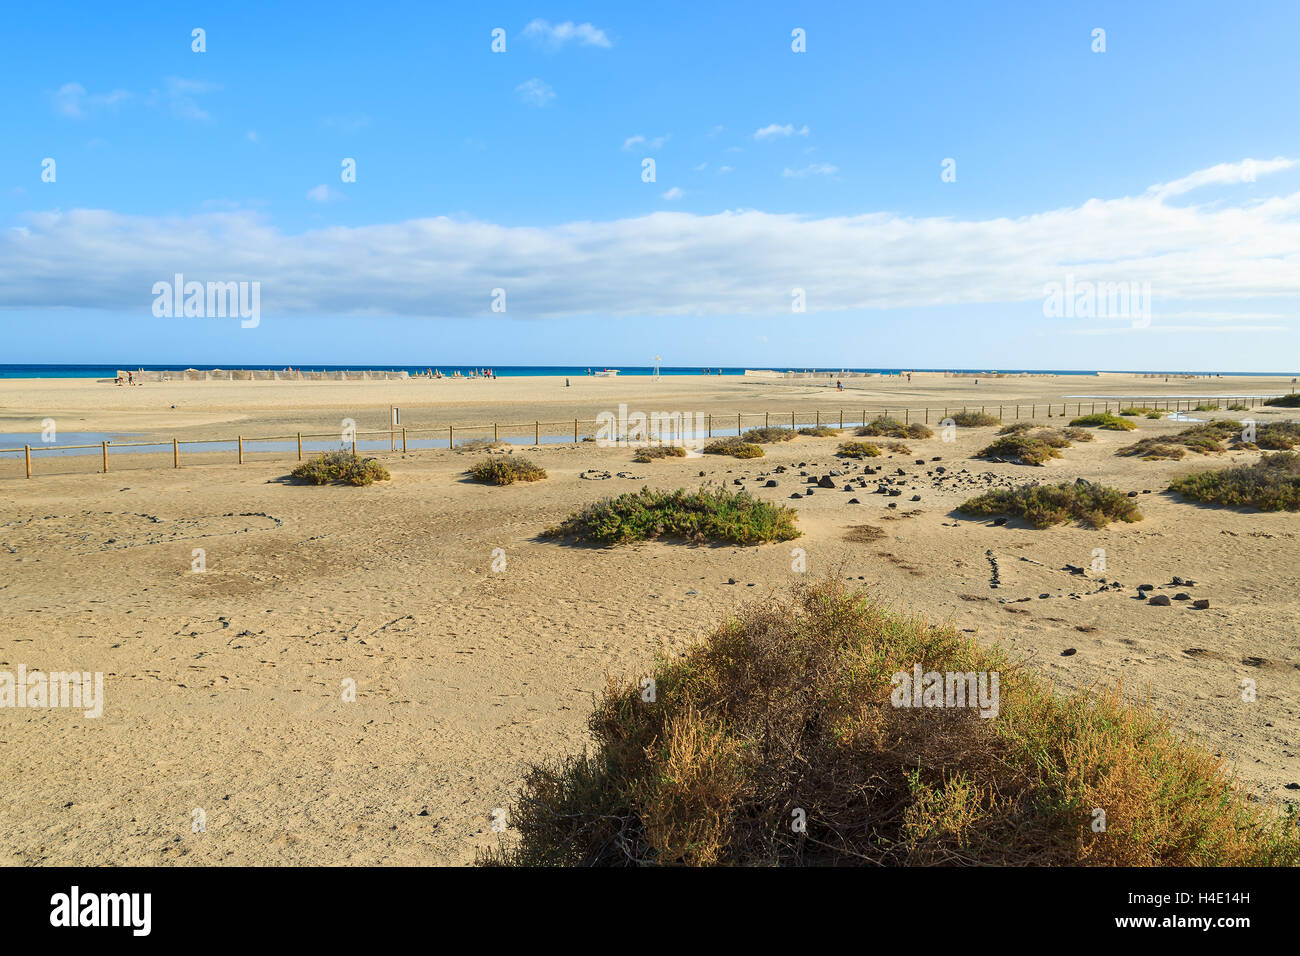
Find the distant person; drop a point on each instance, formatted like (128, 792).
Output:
(566, 383)
(130, 378)
(839, 385)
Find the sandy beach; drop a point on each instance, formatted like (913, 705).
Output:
(223, 687)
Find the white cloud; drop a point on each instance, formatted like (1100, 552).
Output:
(535, 92)
(1229, 255)
(1224, 174)
(701, 167)
(725, 169)
(71, 99)
(178, 95)
(554, 37)
(674, 193)
(774, 131)
(323, 193)
(812, 169)
(639, 140)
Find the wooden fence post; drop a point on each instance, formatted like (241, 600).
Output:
(737, 424)
(240, 440)
(575, 431)
(300, 446)
(710, 424)
(176, 453)
(354, 447)
(841, 419)
(104, 447)
(537, 433)
(27, 452)
(403, 439)
(451, 436)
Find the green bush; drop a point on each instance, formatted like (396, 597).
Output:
(1045, 505)
(1021, 449)
(819, 431)
(1104, 420)
(967, 419)
(735, 447)
(1205, 438)
(767, 435)
(707, 515)
(339, 466)
(653, 452)
(1270, 484)
(889, 428)
(792, 703)
(857, 449)
(1285, 401)
(505, 470)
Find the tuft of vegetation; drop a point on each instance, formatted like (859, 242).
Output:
(1205, 438)
(655, 452)
(1079, 434)
(1103, 420)
(819, 431)
(889, 428)
(735, 447)
(1277, 436)
(503, 470)
(1238, 407)
(1016, 428)
(857, 449)
(708, 515)
(1270, 484)
(794, 702)
(898, 448)
(1021, 449)
(768, 434)
(1207, 407)
(1045, 505)
(1285, 401)
(1159, 451)
(1133, 411)
(343, 467)
(484, 444)
(967, 419)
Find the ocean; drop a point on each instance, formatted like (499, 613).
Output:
(572, 371)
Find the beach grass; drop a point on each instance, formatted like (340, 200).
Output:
(1043, 506)
(819, 431)
(781, 740)
(1285, 401)
(709, 515)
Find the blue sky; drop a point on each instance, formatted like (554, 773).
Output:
(1168, 160)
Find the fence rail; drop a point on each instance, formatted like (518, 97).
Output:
(400, 434)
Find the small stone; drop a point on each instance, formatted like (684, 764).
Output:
(854, 501)
(1146, 587)
(1182, 596)
(1201, 605)
(796, 495)
(1069, 652)
(1132, 494)
(1160, 600)
(771, 483)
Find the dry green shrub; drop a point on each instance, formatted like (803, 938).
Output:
(505, 470)
(1285, 401)
(968, 419)
(735, 447)
(655, 452)
(787, 706)
(1021, 449)
(700, 516)
(819, 431)
(1205, 438)
(1103, 420)
(342, 467)
(889, 428)
(857, 449)
(1045, 505)
(1270, 484)
(767, 434)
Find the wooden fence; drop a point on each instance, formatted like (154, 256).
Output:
(399, 435)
